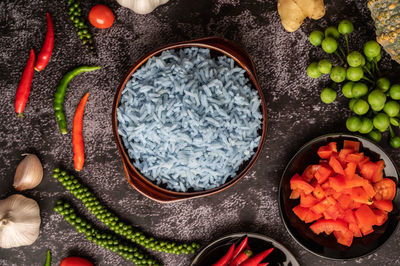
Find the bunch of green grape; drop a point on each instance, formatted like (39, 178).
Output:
(373, 99)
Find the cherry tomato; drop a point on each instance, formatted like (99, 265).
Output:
(101, 17)
(385, 189)
(75, 261)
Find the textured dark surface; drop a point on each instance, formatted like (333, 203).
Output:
(295, 115)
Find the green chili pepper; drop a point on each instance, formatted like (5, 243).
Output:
(48, 258)
(60, 94)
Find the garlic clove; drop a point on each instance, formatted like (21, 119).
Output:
(142, 6)
(29, 173)
(19, 221)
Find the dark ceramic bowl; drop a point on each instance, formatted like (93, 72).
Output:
(218, 47)
(213, 252)
(323, 245)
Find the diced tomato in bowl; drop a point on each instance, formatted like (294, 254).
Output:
(347, 191)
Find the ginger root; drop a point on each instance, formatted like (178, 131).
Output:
(293, 12)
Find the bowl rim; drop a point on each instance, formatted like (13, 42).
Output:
(249, 234)
(202, 43)
(299, 151)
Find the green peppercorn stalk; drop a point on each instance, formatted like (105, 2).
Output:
(106, 240)
(82, 29)
(113, 222)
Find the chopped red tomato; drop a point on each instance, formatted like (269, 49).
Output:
(344, 238)
(309, 173)
(385, 189)
(298, 183)
(345, 193)
(381, 216)
(295, 194)
(322, 174)
(353, 145)
(318, 192)
(350, 170)
(384, 205)
(368, 170)
(336, 166)
(328, 226)
(355, 157)
(338, 183)
(307, 201)
(380, 165)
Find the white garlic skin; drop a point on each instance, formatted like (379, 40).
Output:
(29, 173)
(142, 6)
(19, 221)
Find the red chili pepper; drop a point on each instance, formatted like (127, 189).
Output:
(240, 247)
(254, 261)
(47, 48)
(24, 86)
(225, 259)
(77, 138)
(242, 257)
(263, 264)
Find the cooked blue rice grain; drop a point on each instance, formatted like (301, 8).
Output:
(189, 121)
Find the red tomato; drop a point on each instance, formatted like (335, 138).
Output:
(343, 154)
(307, 201)
(322, 174)
(359, 195)
(379, 171)
(385, 189)
(309, 173)
(349, 144)
(350, 170)
(366, 218)
(101, 17)
(295, 194)
(328, 226)
(319, 192)
(298, 183)
(336, 166)
(381, 217)
(344, 238)
(301, 212)
(368, 170)
(338, 183)
(75, 261)
(355, 157)
(384, 205)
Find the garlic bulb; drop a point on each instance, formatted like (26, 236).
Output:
(141, 6)
(29, 173)
(19, 221)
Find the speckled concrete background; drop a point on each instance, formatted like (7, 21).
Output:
(295, 115)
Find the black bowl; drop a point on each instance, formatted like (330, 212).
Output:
(258, 243)
(323, 245)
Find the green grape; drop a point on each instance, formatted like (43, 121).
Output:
(392, 108)
(376, 99)
(355, 59)
(324, 66)
(338, 74)
(378, 57)
(372, 49)
(394, 121)
(347, 89)
(395, 142)
(351, 103)
(328, 95)
(360, 107)
(312, 70)
(381, 122)
(375, 135)
(366, 125)
(316, 37)
(363, 62)
(383, 84)
(329, 45)
(345, 27)
(354, 73)
(395, 92)
(353, 123)
(359, 89)
(332, 32)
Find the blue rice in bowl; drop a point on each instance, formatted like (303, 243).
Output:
(188, 121)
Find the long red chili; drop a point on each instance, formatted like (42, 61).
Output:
(226, 258)
(263, 264)
(47, 48)
(240, 247)
(24, 86)
(242, 257)
(77, 137)
(254, 261)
